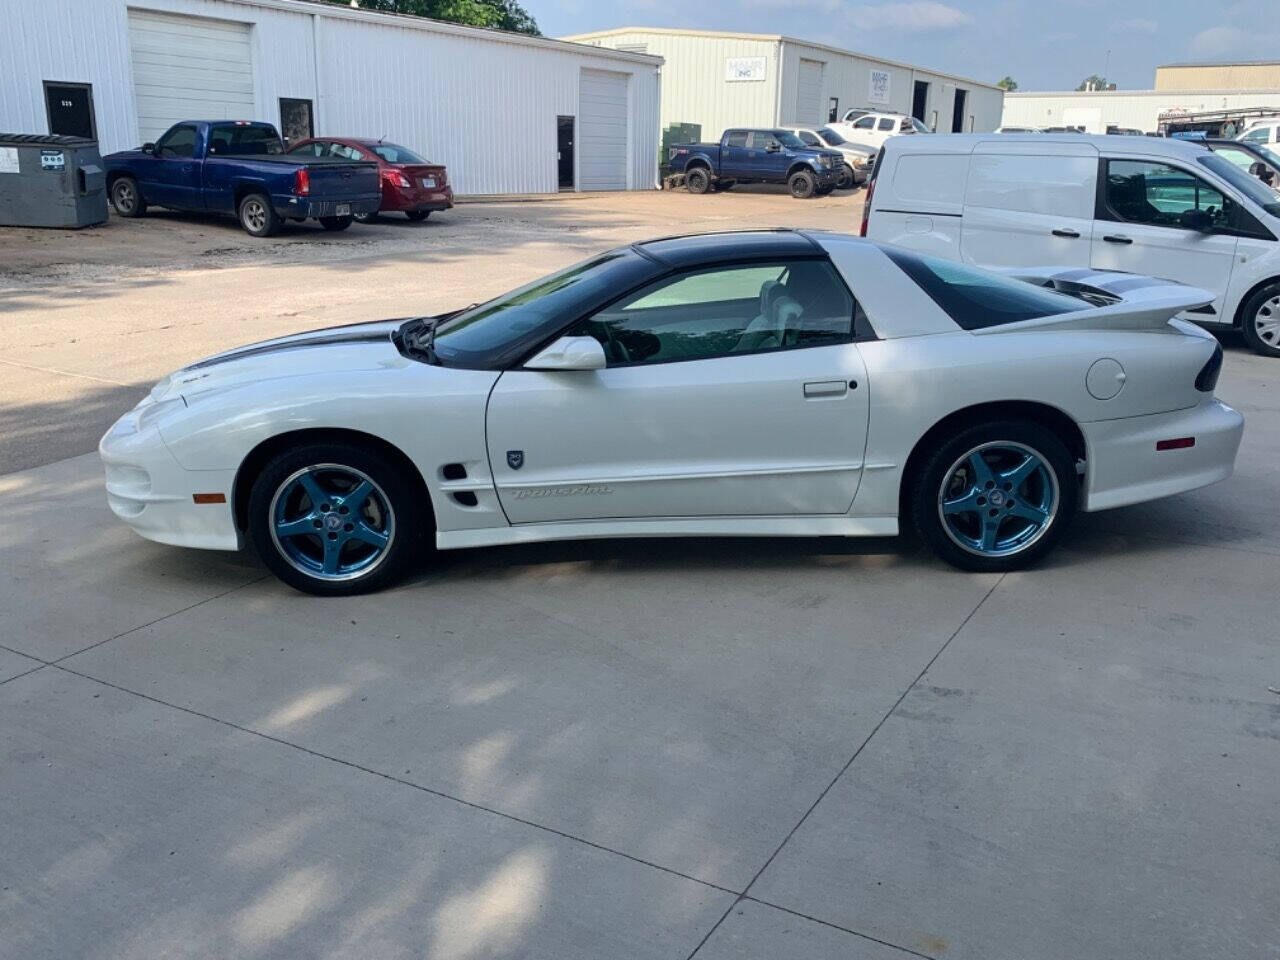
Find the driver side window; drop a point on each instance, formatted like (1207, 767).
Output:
(866, 123)
(722, 311)
(1140, 191)
(178, 142)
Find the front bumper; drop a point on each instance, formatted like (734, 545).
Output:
(1124, 466)
(151, 492)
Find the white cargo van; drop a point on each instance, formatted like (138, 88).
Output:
(1167, 208)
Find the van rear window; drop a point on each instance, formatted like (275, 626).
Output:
(976, 298)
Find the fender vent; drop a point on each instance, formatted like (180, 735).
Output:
(466, 498)
(453, 471)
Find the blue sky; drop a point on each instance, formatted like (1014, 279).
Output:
(1043, 44)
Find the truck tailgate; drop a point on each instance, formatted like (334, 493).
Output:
(343, 179)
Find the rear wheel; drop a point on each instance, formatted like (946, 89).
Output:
(334, 519)
(257, 216)
(127, 199)
(697, 180)
(996, 496)
(802, 184)
(365, 217)
(1261, 321)
(417, 215)
(335, 223)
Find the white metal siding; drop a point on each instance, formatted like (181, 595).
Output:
(188, 68)
(602, 131)
(809, 93)
(1136, 109)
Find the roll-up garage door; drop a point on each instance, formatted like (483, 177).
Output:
(602, 130)
(809, 92)
(188, 68)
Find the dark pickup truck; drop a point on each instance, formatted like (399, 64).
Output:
(239, 167)
(756, 156)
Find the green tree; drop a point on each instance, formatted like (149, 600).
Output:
(496, 14)
(1008, 84)
(1093, 82)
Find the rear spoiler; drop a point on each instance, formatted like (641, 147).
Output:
(1119, 301)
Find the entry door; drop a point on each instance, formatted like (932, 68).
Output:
(713, 404)
(920, 100)
(564, 152)
(296, 119)
(1140, 227)
(70, 108)
(958, 110)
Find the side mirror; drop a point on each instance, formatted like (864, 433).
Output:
(1196, 220)
(148, 148)
(1259, 170)
(570, 353)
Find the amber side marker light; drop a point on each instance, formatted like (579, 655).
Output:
(1181, 443)
(209, 497)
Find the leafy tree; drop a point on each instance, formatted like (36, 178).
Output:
(1008, 84)
(496, 14)
(1094, 82)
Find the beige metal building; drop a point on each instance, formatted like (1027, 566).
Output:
(1240, 75)
(713, 80)
(1135, 109)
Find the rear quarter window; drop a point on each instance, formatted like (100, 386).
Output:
(975, 298)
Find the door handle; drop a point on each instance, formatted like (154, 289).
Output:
(825, 388)
(1117, 238)
(1062, 232)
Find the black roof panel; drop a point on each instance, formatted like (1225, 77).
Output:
(699, 249)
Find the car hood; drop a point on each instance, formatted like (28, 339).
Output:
(342, 348)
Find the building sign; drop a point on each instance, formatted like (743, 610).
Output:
(878, 89)
(737, 69)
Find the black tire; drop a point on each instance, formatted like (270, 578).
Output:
(257, 216)
(723, 185)
(939, 471)
(366, 217)
(407, 520)
(802, 184)
(336, 223)
(417, 216)
(697, 180)
(127, 199)
(845, 179)
(1260, 321)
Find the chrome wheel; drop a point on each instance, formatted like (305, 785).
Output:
(254, 214)
(998, 499)
(331, 522)
(1266, 322)
(125, 196)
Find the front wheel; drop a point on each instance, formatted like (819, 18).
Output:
(417, 215)
(995, 497)
(127, 198)
(1261, 321)
(335, 223)
(845, 179)
(335, 519)
(257, 216)
(802, 184)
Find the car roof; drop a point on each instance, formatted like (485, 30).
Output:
(1111, 145)
(704, 249)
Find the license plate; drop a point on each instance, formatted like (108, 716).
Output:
(429, 182)
(342, 210)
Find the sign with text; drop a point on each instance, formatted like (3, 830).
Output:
(878, 89)
(738, 69)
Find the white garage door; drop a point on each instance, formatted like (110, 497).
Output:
(602, 130)
(809, 93)
(188, 68)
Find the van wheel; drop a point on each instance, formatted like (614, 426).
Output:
(802, 184)
(996, 496)
(257, 216)
(697, 180)
(127, 198)
(1261, 321)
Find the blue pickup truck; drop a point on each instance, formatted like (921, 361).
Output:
(756, 156)
(240, 167)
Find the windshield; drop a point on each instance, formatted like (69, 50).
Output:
(394, 153)
(833, 139)
(919, 127)
(244, 139)
(1251, 187)
(495, 334)
(789, 139)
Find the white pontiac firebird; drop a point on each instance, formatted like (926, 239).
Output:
(768, 383)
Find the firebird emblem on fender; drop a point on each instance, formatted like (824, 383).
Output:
(515, 459)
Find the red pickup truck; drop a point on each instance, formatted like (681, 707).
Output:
(409, 183)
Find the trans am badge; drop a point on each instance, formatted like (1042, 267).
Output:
(515, 459)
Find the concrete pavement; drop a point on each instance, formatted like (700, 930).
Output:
(653, 749)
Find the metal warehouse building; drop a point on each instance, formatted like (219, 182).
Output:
(715, 80)
(507, 113)
(1095, 110)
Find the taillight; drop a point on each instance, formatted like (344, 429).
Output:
(302, 182)
(396, 178)
(866, 206)
(1207, 379)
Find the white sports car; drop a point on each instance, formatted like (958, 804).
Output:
(771, 383)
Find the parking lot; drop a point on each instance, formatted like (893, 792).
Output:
(746, 749)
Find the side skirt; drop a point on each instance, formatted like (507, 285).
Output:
(841, 526)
